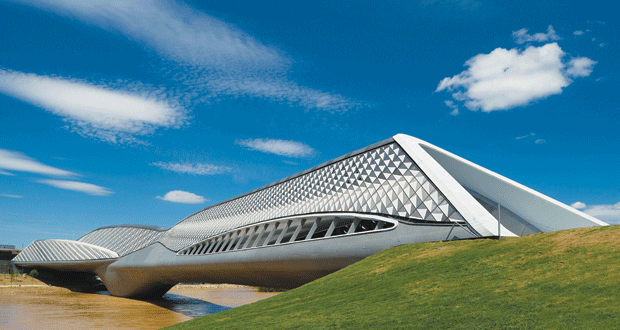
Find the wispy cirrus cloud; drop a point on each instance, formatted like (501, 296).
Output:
(609, 213)
(505, 79)
(82, 187)
(11, 196)
(112, 115)
(196, 168)
(173, 29)
(215, 57)
(280, 89)
(17, 161)
(184, 197)
(524, 136)
(537, 141)
(278, 147)
(6, 173)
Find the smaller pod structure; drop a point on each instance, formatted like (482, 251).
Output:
(398, 191)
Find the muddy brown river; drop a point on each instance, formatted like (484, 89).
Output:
(42, 307)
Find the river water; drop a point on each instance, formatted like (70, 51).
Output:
(58, 308)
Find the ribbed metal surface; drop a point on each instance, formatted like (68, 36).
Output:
(382, 181)
(288, 231)
(122, 239)
(62, 250)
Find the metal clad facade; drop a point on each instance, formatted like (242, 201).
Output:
(383, 181)
(122, 239)
(63, 250)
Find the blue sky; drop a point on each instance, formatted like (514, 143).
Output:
(145, 112)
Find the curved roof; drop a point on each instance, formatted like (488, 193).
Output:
(51, 250)
(381, 179)
(123, 239)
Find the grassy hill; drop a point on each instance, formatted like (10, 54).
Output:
(558, 280)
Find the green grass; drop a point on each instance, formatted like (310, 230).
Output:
(559, 280)
(265, 289)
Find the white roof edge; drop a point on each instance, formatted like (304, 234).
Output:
(476, 215)
(543, 211)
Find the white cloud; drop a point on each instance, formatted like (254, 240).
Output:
(278, 147)
(605, 212)
(6, 173)
(522, 36)
(537, 141)
(505, 79)
(279, 89)
(453, 106)
(181, 32)
(524, 136)
(580, 67)
(198, 168)
(16, 161)
(578, 33)
(578, 205)
(217, 57)
(97, 111)
(11, 196)
(178, 196)
(86, 188)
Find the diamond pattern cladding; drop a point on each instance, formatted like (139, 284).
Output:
(122, 240)
(62, 250)
(383, 181)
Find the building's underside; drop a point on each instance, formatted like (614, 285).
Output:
(398, 191)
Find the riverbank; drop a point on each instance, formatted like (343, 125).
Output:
(5, 280)
(27, 303)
